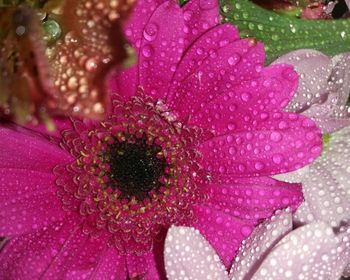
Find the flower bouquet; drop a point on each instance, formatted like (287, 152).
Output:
(165, 139)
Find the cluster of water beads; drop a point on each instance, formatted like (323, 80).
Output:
(82, 56)
(64, 60)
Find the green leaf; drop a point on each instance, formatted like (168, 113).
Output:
(282, 34)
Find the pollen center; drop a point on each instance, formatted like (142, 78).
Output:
(136, 167)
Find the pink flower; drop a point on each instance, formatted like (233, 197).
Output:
(273, 251)
(195, 129)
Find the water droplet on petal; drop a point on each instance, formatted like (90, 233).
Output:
(147, 51)
(234, 59)
(151, 31)
(276, 136)
(259, 165)
(245, 96)
(277, 158)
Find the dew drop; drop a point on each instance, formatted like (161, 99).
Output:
(259, 165)
(245, 96)
(277, 158)
(276, 136)
(151, 31)
(91, 64)
(147, 51)
(234, 59)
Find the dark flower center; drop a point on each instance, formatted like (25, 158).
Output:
(136, 168)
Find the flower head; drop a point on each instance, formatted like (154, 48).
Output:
(196, 128)
(132, 173)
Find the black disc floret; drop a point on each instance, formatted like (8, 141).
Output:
(136, 167)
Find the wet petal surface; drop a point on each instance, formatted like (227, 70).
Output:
(189, 256)
(274, 143)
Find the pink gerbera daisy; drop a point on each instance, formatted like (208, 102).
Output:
(195, 129)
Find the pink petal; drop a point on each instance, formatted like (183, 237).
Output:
(215, 38)
(223, 231)
(309, 252)
(142, 267)
(28, 201)
(60, 124)
(314, 69)
(261, 241)
(24, 149)
(232, 211)
(109, 265)
(216, 74)
(161, 49)
(32, 255)
(272, 143)
(199, 16)
(252, 199)
(60, 251)
(189, 256)
(276, 87)
(135, 25)
(148, 266)
(235, 109)
(124, 82)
